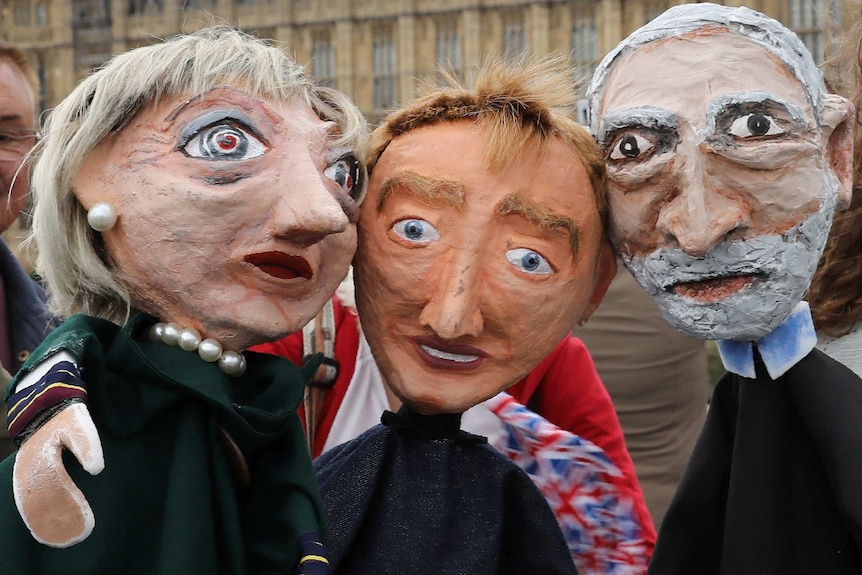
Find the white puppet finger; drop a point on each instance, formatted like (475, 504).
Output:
(79, 435)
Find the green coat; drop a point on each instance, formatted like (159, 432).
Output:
(166, 502)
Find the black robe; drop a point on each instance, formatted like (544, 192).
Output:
(774, 485)
(418, 496)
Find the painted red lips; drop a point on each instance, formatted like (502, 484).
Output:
(281, 265)
(713, 289)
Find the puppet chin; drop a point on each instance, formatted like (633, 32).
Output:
(741, 290)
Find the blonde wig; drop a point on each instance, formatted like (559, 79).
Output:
(518, 105)
(78, 274)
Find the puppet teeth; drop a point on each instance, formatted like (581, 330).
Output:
(448, 356)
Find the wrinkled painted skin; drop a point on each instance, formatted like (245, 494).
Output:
(235, 219)
(458, 301)
(721, 184)
(245, 246)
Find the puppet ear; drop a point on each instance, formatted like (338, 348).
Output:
(606, 269)
(837, 122)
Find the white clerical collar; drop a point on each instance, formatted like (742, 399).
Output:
(779, 350)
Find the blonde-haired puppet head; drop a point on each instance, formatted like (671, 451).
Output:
(195, 142)
(481, 242)
(519, 105)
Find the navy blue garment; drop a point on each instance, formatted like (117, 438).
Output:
(28, 322)
(28, 317)
(773, 484)
(417, 495)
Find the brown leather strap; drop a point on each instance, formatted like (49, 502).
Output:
(236, 460)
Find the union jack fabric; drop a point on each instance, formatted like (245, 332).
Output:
(578, 480)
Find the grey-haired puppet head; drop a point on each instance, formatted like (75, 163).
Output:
(726, 161)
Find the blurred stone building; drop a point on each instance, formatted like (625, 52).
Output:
(376, 51)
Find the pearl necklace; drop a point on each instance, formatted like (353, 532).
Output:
(231, 363)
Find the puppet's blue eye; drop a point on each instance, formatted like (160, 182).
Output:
(224, 141)
(416, 230)
(529, 261)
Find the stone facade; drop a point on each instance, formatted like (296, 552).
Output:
(376, 51)
(370, 41)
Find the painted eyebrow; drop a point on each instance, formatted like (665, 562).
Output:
(647, 117)
(270, 116)
(760, 99)
(424, 188)
(179, 109)
(538, 214)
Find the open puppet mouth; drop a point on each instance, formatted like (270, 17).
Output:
(281, 265)
(713, 289)
(442, 355)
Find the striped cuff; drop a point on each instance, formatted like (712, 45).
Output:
(34, 405)
(312, 555)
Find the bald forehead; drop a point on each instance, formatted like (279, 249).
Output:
(16, 92)
(705, 20)
(696, 72)
(26, 83)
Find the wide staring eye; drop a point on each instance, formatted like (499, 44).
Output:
(347, 173)
(416, 231)
(529, 261)
(631, 146)
(755, 125)
(224, 141)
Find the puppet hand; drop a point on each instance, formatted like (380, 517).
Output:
(51, 505)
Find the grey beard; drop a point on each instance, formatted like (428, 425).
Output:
(782, 263)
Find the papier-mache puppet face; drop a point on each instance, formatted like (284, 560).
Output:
(468, 276)
(237, 214)
(725, 168)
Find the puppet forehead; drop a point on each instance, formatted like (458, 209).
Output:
(666, 82)
(711, 19)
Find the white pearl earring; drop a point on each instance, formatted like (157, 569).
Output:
(102, 217)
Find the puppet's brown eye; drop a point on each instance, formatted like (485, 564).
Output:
(224, 141)
(755, 125)
(630, 147)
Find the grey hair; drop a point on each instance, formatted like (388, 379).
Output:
(71, 258)
(755, 26)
